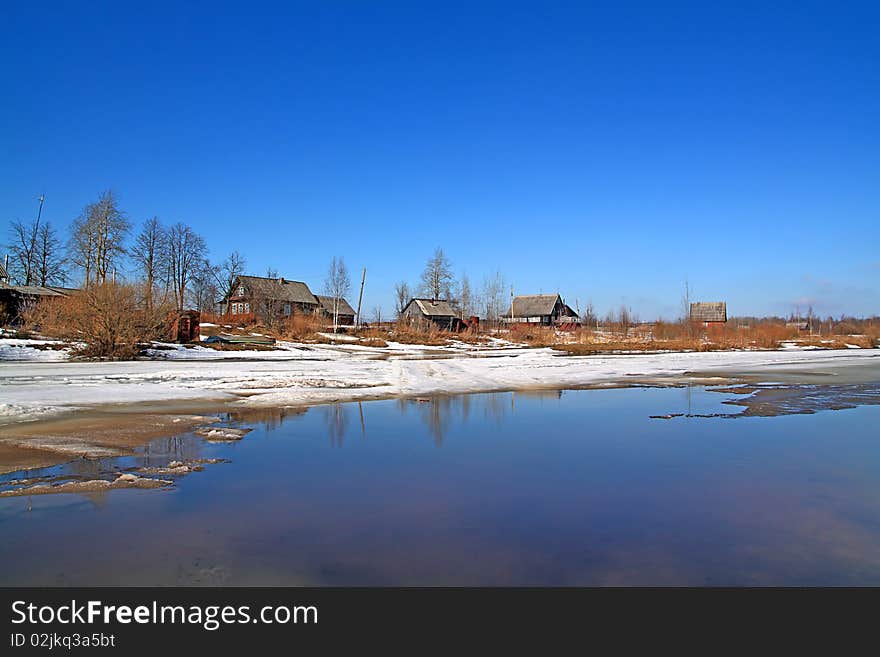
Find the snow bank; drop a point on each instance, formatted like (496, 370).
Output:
(17, 349)
(297, 375)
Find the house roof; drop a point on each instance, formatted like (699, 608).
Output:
(279, 289)
(432, 307)
(327, 304)
(33, 290)
(709, 311)
(535, 305)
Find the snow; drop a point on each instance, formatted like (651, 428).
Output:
(307, 374)
(17, 349)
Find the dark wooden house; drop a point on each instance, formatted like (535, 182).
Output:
(543, 309)
(256, 297)
(14, 298)
(709, 312)
(426, 312)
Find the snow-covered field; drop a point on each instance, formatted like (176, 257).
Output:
(306, 374)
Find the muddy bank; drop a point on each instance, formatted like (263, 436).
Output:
(90, 434)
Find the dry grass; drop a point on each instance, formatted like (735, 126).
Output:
(299, 328)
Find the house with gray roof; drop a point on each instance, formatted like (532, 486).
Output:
(344, 312)
(431, 311)
(14, 297)
(257, 296)
(543, 309)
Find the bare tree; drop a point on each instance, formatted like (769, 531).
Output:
(686, 308)
(377, 314)
(98, 238)
(50, 260)
(437, 278)
(493, 296)
(23, 251)
(226, 274)
(401, 297)
(186, 253)
(266, 304)
(204, 289)
(589, 317)
(336, 285)
(150, 256)
(465, 297)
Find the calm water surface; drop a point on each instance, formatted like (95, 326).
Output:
(562, 488)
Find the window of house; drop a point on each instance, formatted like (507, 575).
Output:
(247, 307)
(241, 290)
(287, 309)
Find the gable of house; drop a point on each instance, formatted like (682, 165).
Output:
(709, 311)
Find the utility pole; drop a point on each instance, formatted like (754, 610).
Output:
(511, 305)
(361, 296)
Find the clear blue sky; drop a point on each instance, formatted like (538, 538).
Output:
(606, 152)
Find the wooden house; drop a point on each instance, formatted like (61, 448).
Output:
(543, 309)
(425, 312)
(345, 313)
(256, 296)
(14, 298)
(709, 312)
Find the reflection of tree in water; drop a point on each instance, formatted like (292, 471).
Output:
(439, 413)
(183, 447)
(337, 418)
(270, 418)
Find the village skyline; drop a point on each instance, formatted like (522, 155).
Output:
(609, 162)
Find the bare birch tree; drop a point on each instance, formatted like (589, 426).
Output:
(149, 254)
(493, 296)
(465, 297)
(437, 278)
(336, 285)
(186, 253)
(98, 238)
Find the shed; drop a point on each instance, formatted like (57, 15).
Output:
(345, 313)
(13, 298)
(709, 312)
(434, 311)
(186, 326)
(545, 309)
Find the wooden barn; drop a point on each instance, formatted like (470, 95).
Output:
(345, 313)
(255, 296)
(431, 311)
(709, 312)
(543, 309)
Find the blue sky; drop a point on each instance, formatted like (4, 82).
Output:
(605, 152)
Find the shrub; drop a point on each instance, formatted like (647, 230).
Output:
(110, 320)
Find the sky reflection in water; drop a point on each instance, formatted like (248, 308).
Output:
(563, 488)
